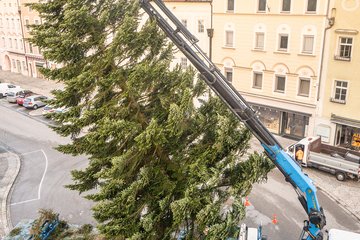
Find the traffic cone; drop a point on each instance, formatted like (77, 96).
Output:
(247, 202)
(274, 220)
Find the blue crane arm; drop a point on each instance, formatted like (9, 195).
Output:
(186, 43)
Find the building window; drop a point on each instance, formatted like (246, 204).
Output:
(201, 26)
(229, 41)
(257, 80)
(262, 6)
(308, 44)
(229, 74)
(259, 40)
(344, 49)
(311, 5)
(24, 65)
(30, 48)
(10, 43)
(36, 22)
(183, 62)
(341, 88)
(230, 5)
(280, 84)
(3, 42)
(283, 42)
(27, 24)
(13, 63)
(286, 4)
(21, 44)
(304, 87)
(16, 43)
(184, 22)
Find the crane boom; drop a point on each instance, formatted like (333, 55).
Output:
(186, 43)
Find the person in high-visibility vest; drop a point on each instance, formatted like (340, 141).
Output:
(299, 155)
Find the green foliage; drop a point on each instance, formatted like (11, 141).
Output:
(14, 232)
(159, 163)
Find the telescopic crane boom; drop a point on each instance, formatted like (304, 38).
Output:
(186, 43)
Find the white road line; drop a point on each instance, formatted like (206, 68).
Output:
(31, 152)
(46, 167)
(26, 201)
(42, 179)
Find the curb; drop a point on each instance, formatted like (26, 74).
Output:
(6, 185)
(338, 201)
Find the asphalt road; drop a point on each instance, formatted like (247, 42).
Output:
(44, 171)
(275, 197)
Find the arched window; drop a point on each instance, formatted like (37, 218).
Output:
(259, 36)
(283, 32)
(229, 35)
(308, 39)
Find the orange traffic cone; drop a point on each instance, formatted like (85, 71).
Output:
(247, 202)
(274, 220)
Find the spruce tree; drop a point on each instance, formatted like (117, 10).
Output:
(158, 164)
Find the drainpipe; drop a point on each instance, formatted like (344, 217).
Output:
(210, 31)
(331, 22)
(23, 35)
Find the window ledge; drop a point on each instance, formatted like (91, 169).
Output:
(279, 92)
(258, 50)
(303, 96)
(346, 59)
(285, 12)
(282, 52)
(258, 11)
(307, 54)
(310, 12)
(227, 47)
(334, 100)
(229, 11)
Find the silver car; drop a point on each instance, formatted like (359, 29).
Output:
(35, 101)
(12, 95)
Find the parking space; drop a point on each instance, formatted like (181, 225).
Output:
(29, 181)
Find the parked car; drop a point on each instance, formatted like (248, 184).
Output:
(20, 99)
(6, 87)
(12, 95)
(50, 109)
(35, 101)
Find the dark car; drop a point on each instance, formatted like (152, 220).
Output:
(20, 98)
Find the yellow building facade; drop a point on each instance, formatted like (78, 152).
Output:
(339, 119)
(271, 51)
(195, 15)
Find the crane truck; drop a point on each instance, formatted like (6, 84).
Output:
(211, 74)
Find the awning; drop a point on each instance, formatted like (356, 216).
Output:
(345, 121)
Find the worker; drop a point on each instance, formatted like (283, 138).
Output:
(299, 155)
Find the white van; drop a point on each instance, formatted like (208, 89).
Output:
(6, 87)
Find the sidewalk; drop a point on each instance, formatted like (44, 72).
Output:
(10, 164)
(40, 86)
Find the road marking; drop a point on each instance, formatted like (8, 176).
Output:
(31, 152)
(41, 181)
(26, 201)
